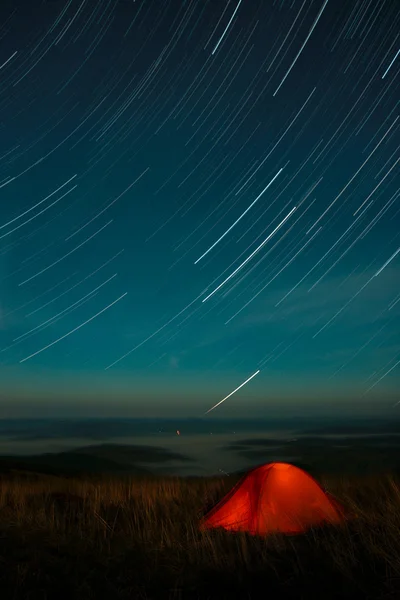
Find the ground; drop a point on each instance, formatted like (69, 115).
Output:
(120, 538)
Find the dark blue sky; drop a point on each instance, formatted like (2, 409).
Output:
(192, 192)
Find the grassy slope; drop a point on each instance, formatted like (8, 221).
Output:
(139, 538)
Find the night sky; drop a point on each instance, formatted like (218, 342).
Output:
(195, 191)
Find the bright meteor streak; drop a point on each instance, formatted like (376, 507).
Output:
(251, 255)
(231, 394)
(237, 220)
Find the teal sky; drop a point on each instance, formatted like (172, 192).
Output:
(187, 199)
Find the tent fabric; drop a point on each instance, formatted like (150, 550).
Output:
(276, 497)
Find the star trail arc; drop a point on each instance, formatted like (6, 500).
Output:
(230, 167)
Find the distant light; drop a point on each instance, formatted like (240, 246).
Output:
(178, 432)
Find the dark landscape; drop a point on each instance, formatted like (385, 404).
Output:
(93, 522)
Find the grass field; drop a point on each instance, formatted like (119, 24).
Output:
(139, 538)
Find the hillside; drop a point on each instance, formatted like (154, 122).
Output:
(106, 537)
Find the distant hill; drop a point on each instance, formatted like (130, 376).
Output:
(108, 459)
(81, 462)
(376, 427)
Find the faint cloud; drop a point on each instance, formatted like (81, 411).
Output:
(321, 303)
(305, 310)
(174, 362)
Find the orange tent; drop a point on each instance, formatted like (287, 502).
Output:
(275, 497)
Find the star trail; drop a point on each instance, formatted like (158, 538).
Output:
(194, 191)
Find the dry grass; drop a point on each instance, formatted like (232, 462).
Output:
(133, 539)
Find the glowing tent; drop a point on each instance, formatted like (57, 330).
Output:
(275, 497)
